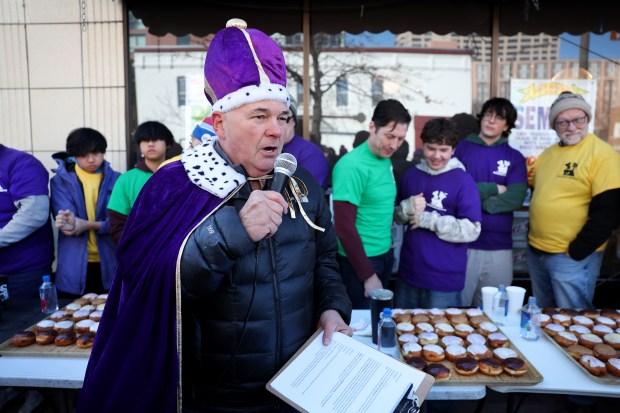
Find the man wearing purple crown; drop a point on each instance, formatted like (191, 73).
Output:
(220, 280)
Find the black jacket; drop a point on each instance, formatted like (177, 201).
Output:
(254, 304)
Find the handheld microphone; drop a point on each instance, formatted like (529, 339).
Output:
(284, 167)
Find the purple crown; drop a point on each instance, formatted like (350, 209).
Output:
(243, 66)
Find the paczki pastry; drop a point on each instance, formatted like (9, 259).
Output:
(44, 325)
(46, 337)
(427, 338)
(444, 329)
(405, 338)
(590, 340)
(478, 351)
(65, 339)
(438, 371)
(576, 351)
(497, 340)
(433, 353)
(466, 366)
(604, 352)
(455, 352)
(504, 353)
(463, 330)
(23, 339)
(613, 366)
(490, 366)
(565, 338)
(85, 340)
(514, 366)
(593, 365)
(411, 349)
(404, 328)
(448, 341)
(552, 329)
(613, 339)
(417, 362)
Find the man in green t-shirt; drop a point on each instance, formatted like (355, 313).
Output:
(364, 192)
(153, 139)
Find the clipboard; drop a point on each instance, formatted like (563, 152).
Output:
(347, 377)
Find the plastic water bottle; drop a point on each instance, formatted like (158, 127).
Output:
(387, 333)
(49, 296)
(500, 305)
(530, 320)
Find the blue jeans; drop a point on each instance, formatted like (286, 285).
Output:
(408, 296)
(560, 281)
(382, 265)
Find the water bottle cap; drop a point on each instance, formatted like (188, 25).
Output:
(46, 278)
(532, 299)
(387, 312)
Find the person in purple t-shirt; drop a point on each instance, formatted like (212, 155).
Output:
(500, 173)
(26, 240)
(433, 257)
(307, 153)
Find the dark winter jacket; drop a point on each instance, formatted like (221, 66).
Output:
(255, 304)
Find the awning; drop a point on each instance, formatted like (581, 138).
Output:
(202, 17)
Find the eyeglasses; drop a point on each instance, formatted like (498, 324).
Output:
(493, 116)
(563, 124)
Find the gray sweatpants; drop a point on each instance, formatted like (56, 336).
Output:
(485, 268)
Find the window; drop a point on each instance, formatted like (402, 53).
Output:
(482, 72)
(505, 71)
(342, 92)
(541, 71)
(483, 92)
(136, 40)
(300, 93)
(611, 69)
(376, 90)
(594, 68)
(181, 91)
(183, 40)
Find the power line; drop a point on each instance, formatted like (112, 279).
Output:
(589, 50)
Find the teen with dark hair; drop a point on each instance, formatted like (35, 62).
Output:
(501, 177)
(153, 139)
(80, 192)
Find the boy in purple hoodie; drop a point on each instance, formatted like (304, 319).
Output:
(501, 178)
(433, 257)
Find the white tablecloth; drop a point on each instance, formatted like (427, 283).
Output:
(560, 374)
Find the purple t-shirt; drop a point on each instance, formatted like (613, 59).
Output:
(22, 175)
(310, 157)
(502, 165)
(425, 260)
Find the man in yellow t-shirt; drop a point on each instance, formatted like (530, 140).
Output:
(575, 206)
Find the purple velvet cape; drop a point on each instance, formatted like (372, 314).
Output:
(134, 365)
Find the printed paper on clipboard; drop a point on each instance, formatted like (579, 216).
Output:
(348, 377)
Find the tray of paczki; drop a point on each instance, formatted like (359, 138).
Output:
(590, 338)
(69, 332)
(458, 346)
